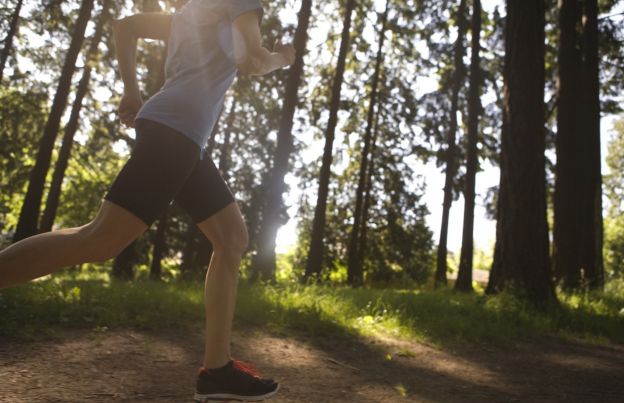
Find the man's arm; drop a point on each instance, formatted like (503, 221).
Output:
(127, 31)
(249, 54)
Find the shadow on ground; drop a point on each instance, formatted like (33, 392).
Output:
(148, 366)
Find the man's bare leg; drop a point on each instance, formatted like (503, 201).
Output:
(101, 239)
(227, 232)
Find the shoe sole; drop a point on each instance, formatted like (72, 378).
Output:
(224, 397)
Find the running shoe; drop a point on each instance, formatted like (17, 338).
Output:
(237, 380)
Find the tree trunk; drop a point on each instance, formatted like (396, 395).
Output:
(451, 157)
(525, 255)
(495, 280)
(464, 277)
(8, 41)
(263, 263)
(54, 194)
(361, 249)
(566, 235)
(592, 210)
(316, 251)
(160, 246)
(355, 276)
(29, 214)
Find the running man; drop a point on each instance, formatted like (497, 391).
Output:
(208, 42)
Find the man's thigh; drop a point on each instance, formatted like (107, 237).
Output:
(205, 195)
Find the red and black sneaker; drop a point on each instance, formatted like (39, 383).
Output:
(235, 381)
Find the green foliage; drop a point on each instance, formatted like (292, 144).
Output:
(22, 116)
(90, 172)
(432, 316)
(614, 189)
(29, 309)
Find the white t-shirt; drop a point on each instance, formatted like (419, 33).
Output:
(199, 67)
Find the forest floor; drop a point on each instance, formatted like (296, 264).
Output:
(124, 365)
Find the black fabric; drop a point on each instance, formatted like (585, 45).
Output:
(166, 165)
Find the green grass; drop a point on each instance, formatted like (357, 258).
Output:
(437, 317)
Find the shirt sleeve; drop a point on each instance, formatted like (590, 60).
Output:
(238, 7)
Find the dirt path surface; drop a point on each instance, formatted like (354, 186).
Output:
(134, 366)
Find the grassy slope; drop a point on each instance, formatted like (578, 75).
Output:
(433, 316)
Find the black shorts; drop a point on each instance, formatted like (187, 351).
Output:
(166, 165)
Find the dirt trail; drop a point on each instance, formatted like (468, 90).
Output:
(134, 366)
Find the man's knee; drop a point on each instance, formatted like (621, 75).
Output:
(232, 240)
(227, 231)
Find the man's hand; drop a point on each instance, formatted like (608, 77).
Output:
(287, 51)
(129, 106)
(249, 54)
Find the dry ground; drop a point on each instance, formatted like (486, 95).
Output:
(135, 366)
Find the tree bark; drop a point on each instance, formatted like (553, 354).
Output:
(355, 275)
(29, 214)
(566, 235)
(451, 152)
(361, 250)
(263, 262)
(8, 41)
(54, 194)
(316, 250)
(525, 255)
(495, 280)
(160, 246)
(593, 228)
(464, 277)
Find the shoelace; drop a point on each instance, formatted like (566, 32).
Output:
(247, 368)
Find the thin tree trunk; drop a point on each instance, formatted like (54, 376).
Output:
(451, 157)
(525, 257)
(566, 235)
(29, 214)
(592, 210)
(8, 40)
(54, 194)
(263, 263)
(316, 250)
(495, 280)
(361, 249)
(464, 277)
(355, 276)
(160, 246)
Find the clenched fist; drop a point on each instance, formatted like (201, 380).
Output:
(129, 106)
